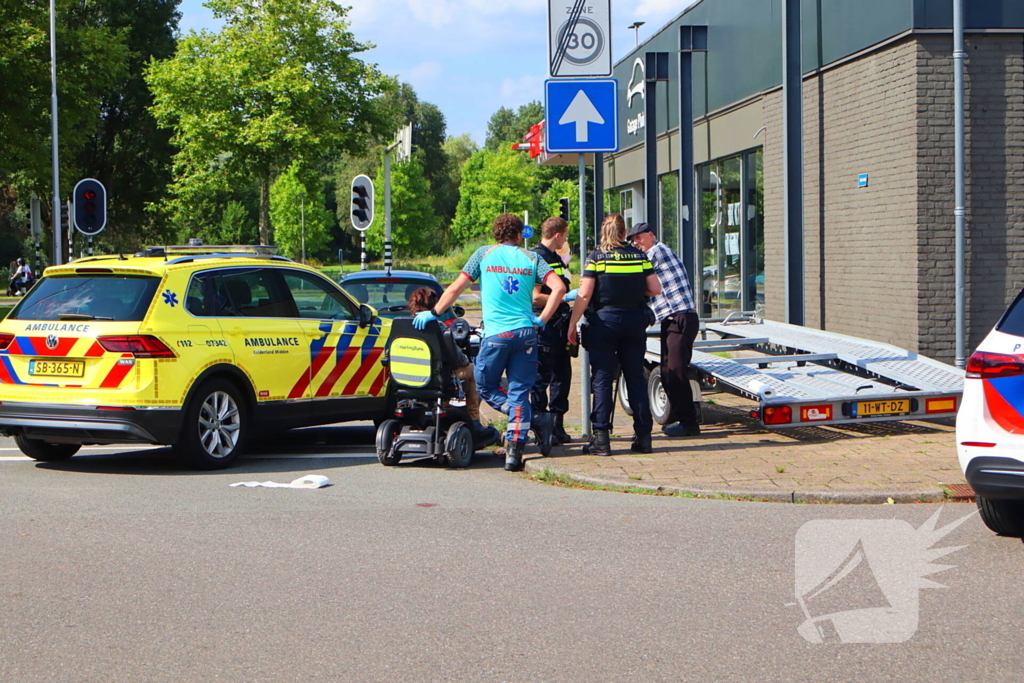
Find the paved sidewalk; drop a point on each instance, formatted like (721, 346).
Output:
(733, 456)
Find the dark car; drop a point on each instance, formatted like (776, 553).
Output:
(389, 293)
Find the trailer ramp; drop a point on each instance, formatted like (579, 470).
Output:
(801, 376)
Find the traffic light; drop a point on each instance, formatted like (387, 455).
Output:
(90, 201)
(65, 217)
(362, 202)
(563, 209)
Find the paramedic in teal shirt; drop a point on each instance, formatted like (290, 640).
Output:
(507, 275)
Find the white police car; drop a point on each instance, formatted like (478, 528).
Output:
(990, 424)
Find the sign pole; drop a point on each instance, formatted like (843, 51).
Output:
(387, 206)
(584, 356)
(362, 250)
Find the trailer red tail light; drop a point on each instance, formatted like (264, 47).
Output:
(815, 413)
(777, 415)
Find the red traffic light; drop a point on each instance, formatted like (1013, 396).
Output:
(89, 194)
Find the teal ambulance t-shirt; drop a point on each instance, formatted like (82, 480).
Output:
(507, 275)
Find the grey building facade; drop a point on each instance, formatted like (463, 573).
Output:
(878, 163)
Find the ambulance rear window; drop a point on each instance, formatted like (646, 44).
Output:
(104, 297)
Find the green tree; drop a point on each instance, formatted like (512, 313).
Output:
(493, 182)
(414, 225)
(280, 82)
(287, 206)
(506, 126)
(91, 57)
(551, 207)
(129, 152)
(446, 194)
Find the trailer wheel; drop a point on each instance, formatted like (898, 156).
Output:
(661, 408)
(624, 392)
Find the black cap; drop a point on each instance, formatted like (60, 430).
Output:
(637, 229)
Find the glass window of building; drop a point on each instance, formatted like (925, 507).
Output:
(626, 207)
(731, 238)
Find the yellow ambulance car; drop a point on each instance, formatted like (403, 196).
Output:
(200, 348)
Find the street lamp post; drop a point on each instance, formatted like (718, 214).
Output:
(635, 27)
(302, 211)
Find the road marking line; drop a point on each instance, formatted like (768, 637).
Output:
(314, 456)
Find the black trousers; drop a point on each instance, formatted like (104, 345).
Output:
(617, 337)
(554, 380)
(678, 332)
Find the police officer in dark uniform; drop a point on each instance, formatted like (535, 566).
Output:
(617, 280)
(550, 396)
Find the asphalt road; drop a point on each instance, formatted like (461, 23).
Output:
(118, 567)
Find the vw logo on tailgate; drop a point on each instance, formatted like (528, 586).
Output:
(51, 341)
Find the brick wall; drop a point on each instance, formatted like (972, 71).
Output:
(995, 182)
(879, 260)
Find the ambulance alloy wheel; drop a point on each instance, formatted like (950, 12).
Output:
(1005, 517)
(386, 434)
(37, 449)
(458, 446)
(215, 426)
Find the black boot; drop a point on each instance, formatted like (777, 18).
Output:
(543, 425)
(641, 443)
(599, 444)
(561, 436)
(483, 436)
(514, 456)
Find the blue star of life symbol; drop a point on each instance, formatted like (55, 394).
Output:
(510, 285)
(170, 298)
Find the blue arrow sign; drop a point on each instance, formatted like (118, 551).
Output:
(581, 115)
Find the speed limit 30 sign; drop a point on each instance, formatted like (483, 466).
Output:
(579, 38)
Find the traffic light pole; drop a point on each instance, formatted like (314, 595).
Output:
(584, 356)
(57, 244)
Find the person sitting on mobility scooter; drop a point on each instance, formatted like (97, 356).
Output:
(423, 366)
(424, 299)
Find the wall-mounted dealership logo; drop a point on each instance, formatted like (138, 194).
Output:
(636, 88)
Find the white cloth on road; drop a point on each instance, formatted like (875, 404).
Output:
(310, 481)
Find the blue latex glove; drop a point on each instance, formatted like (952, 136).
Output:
(571, 294)
(537, 321)
(422, 318)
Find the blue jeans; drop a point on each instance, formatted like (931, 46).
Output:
(515, 355)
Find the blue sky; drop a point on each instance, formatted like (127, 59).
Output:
(469, 57)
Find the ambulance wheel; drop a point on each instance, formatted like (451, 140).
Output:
(216, 424)
(458, 447)
(1005, 517)
(386, 434)
(661, 409)
(44, 451)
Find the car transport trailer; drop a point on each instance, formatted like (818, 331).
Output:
(801, 376)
